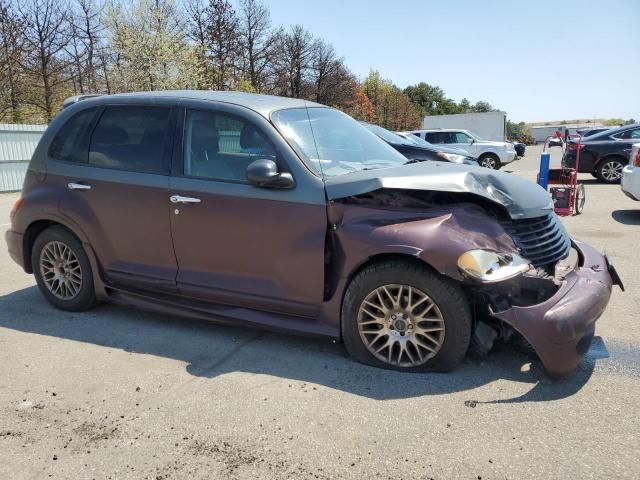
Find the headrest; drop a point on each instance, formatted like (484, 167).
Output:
(250, 138)
(111, 136)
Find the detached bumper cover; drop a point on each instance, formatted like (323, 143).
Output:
(561, 328)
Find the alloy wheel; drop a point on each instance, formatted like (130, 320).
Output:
(612, 171)
(488, 162)
(401, 325)
(61, 270)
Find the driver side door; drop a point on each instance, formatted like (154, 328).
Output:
(235, 243)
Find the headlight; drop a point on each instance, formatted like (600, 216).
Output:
(489, 266)
(451, 157)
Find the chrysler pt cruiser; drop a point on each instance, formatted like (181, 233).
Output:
(284, 214)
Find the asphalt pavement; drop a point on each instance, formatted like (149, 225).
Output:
(116, 393)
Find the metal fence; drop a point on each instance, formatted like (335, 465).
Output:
(17, 143)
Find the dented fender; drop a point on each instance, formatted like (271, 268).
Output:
(437, 235)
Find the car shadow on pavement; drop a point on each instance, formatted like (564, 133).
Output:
(211, 350)
(627, 217)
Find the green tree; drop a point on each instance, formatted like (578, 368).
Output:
(430, 100)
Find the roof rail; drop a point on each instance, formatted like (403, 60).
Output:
(75, 99)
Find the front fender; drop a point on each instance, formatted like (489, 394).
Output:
(437, 236)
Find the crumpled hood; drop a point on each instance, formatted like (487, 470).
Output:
(521, 198)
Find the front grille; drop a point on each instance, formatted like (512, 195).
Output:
(541, 240)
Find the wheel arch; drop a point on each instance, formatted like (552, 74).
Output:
(33, 230)
(611, 156)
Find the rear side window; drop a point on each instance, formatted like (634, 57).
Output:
(219, 146)
(68, 145)
(131, 138)
(441, 137)
(628, 134)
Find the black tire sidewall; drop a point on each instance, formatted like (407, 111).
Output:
(86, 298)
(494, 158)
(447, 296)
(599, 171)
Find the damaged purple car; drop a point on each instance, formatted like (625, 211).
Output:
(280, 213)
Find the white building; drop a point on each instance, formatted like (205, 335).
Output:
(17, 144)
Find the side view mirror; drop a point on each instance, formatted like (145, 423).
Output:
(470, 141)
(264, 173)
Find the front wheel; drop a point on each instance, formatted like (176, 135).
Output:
(62, 270)
(400, 315)
(610, 171)
(490, 161)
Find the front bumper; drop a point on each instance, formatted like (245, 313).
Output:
(561, 328)
(508, 156)
(630, 183)
(14, 245)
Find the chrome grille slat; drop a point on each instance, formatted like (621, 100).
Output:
(541, 240)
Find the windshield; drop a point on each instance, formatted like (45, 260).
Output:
(387, 136)
(333, 143)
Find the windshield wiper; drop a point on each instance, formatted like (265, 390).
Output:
(413, 160)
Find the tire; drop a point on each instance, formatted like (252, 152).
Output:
(610, 171)
(580, 199)
(490, 160)
(51, 262)
(445, 304)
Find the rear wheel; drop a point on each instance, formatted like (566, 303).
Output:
(62, 270)
(400, 315)
(610, 171)
(490, 160)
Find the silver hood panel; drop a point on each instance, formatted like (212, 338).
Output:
(521, 198)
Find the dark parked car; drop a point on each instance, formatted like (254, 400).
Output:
(588, 132)
(275, 212)
(520, 148)
(421, 152)
(605, 154)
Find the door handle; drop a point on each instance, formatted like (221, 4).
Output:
(181, 199)
(78, 186)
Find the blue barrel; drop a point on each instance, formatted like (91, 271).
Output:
(543, 175)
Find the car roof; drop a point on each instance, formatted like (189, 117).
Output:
(441, 130)
(262, 104)
(613, 131)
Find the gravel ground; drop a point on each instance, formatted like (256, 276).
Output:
(116, 393)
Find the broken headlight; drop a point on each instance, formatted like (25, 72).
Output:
(490, 266)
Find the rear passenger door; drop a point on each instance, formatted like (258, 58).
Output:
(116, 188)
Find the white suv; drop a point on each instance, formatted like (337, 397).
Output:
(489, 154)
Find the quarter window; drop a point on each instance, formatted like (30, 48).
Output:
(68, 143)
(131, 138)
(220, 146)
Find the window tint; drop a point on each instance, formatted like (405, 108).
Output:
(628, 135)
(441, 137)
(221, 146)
(67, 145)
(131, 138)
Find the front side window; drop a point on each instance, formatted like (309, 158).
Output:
(133, 138)
(68, 143)
(333, 143)
(461, 137)
(220, 146)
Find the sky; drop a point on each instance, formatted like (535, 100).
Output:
(537, 60)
